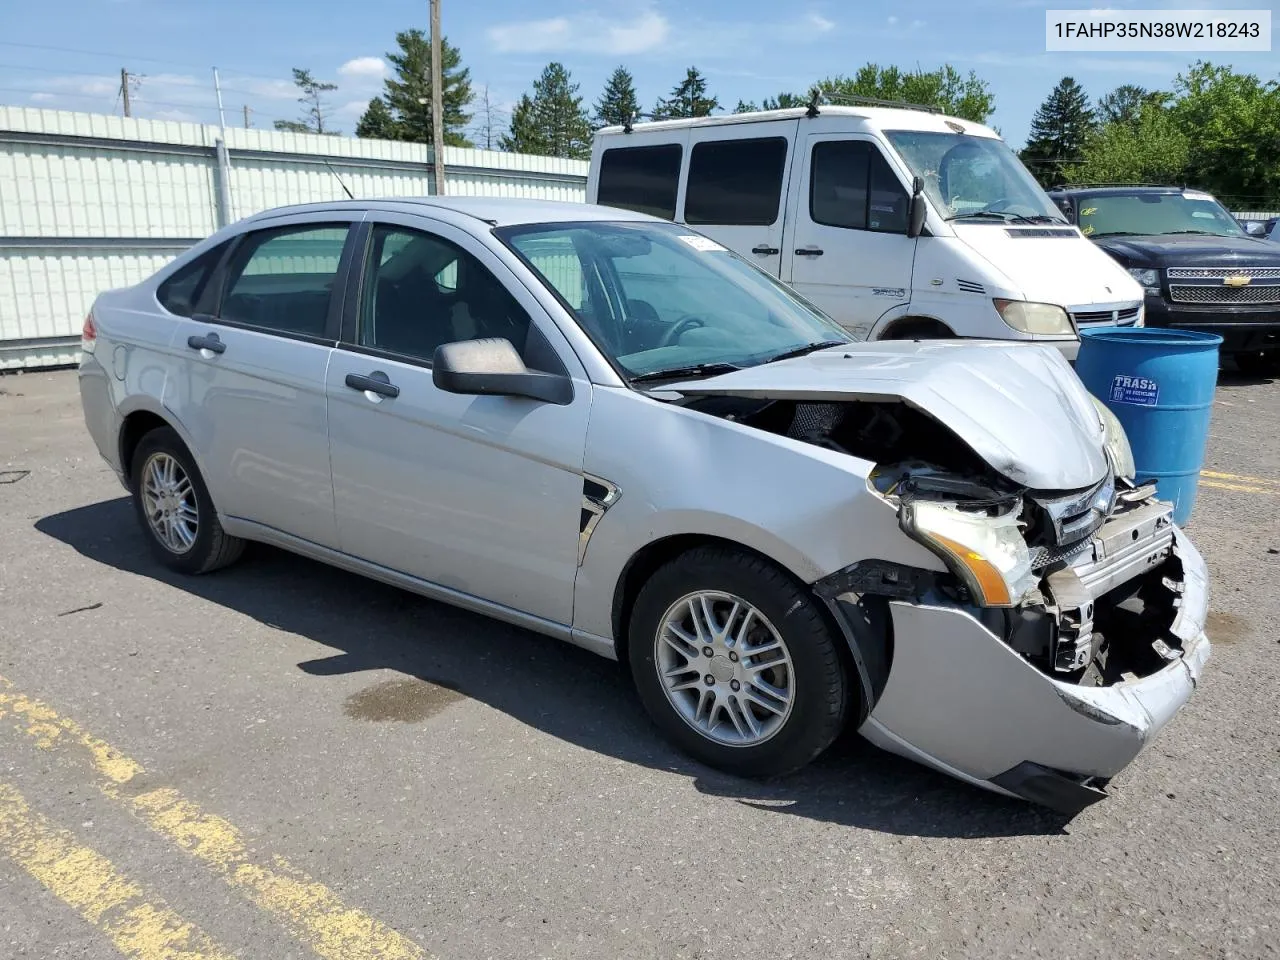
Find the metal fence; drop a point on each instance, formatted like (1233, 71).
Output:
(89, 202)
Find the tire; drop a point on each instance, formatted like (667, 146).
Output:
(189, 506)
(919, 330)
(783, 739)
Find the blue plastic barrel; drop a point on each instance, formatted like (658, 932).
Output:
(1159, 384)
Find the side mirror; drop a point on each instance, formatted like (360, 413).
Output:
(918, 211)
(493, 367)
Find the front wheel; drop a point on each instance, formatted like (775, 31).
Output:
(736, 663)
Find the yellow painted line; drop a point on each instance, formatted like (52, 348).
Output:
(1237, 486)
(141, 927)
(1214, 475)
(308, 909)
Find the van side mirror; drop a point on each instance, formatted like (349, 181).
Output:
(918, 211)
(492, 367)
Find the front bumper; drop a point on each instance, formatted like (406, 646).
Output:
(1243, 329)
(961, 700)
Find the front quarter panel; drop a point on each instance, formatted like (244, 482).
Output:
(681, 472)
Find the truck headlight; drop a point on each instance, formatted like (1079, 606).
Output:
(1148, 279)
(987, 553)
(1116, 442)
(1043, 318)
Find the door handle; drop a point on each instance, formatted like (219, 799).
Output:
(808, 252)
(210, 341)
(764, 251)
(376, 382)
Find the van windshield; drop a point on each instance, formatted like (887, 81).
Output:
(1155, 214)
(658, 299)
(968, 176)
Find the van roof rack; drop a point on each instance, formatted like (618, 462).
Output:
(843, 100)
(1117, 183)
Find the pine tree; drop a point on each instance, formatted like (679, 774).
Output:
(553, 121)
(377, 122)
(618, 104)
(317, 108)
(1059, 131)
(688, 99)
(1123, 104)
(408, 94)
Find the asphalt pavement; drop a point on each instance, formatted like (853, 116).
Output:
(282, 760)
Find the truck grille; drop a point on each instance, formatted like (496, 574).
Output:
(1221, 273)
(1185, 293)
(1123, 317)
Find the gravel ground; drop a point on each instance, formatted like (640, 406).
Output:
(484, 792)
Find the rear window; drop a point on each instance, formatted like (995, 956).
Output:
(181, 292)
(735, 182)
(643, 179)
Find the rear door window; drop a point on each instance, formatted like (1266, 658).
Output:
(644, 179)
(182, 291)
(282, 280)
(735, 182)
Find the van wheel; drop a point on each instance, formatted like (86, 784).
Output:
(736, 663)
(919, 330)
(175, 509)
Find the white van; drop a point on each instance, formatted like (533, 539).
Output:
(897, 222)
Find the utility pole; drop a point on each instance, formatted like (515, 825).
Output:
(217, 89)
(124, 91)
(437, 99)
(246, 116)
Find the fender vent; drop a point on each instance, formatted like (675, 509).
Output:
(597, 497)
(1031, 232)
(968, 286)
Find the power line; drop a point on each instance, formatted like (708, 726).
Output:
(126, 56)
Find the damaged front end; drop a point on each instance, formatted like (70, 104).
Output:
(1067, 630)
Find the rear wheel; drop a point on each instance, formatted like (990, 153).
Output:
(736, 663)
(174, 507)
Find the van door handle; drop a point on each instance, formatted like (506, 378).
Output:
(808, 252)
(376, 382)
(210, 341)
(765, 251)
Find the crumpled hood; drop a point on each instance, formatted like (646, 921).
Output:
(1019, 406)
(1062, 268)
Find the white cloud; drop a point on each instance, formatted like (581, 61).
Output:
(43, 97)
(821, 23)
(181, 115)
(917, 24)
(590, 31)
(893, 21)
(363, 68)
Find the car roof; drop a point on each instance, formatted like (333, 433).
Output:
(496, 211)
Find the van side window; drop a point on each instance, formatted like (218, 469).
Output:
(643, 179)
(181, 292)
(852, 186)
(735, 182)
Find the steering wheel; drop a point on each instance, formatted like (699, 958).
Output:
(690, 321)
(1000, 205)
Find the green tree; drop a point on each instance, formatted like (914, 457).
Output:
(1233, 123)
(408, 93)
(1147, 148)
(688, 99)
(1060, 130)
(618, 104)
(782, 101)
(553, 121)
(312, 99)
(968, 97)
(1124, 104)
(377, 123)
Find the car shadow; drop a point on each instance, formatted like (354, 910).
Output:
(559, 689)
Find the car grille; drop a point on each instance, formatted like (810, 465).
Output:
(1221, 273)
(1185, 293)
(1123, 317)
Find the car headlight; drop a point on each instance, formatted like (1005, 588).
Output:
(1149, 279)
(1116, 442)
(987, 553)
(1044, 318)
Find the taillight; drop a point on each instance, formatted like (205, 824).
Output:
(88, 334)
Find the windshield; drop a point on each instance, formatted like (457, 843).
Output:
(657, 298)
(966, 175)
(1155, 214)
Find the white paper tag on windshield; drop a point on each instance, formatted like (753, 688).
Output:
(1196, 195)
(705, 244)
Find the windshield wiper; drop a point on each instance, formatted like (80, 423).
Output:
(995, 215)
(693, 370)
(807, 348)
(1203, 233)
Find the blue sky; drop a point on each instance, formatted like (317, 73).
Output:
(68, 53)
